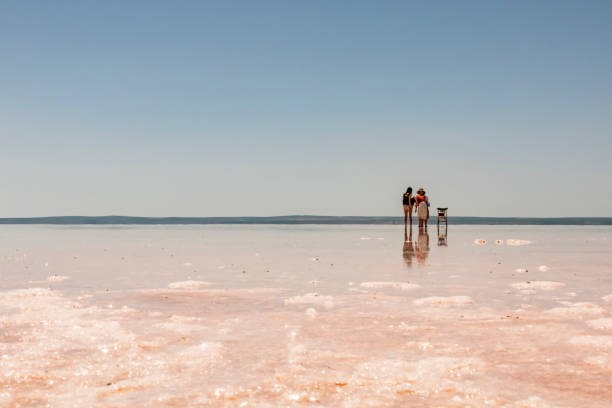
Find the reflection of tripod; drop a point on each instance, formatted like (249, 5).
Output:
(442, 237)
(442, 232)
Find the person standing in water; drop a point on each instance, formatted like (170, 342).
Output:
(422, 208)
(407, 202)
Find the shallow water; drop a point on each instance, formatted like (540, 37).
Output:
(270, 316)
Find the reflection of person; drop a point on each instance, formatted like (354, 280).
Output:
(407, 202)
(422, 209)
(408, 249)
(422, 249)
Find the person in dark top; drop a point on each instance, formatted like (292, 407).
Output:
(408, 202)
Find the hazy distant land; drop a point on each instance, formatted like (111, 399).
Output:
(298, 219)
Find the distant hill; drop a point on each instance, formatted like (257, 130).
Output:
(297, 219)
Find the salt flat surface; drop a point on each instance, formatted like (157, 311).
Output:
(327, 316)
(394, 285)
(188, 284)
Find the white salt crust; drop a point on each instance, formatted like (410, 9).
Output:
(110, 357)
(188, 284)
(599, 342)
(576, 310)
(57, 278)
(444, 301)
(603, 361)
(531, 402)
(424, 377)
(600, 324)
(517, 242)
(311, 299)
(538, 285)
(392, 285)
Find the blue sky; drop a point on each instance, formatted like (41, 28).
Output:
(271, 108)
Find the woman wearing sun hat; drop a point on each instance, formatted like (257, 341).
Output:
(422, 209)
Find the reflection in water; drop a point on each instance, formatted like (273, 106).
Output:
(408, 248)
(422, 249)
(442, 234)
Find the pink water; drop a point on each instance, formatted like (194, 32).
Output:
(321, 316)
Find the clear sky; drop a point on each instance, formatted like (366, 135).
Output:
(225, 108)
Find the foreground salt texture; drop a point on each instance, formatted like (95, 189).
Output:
(162, 349)
(412, 338)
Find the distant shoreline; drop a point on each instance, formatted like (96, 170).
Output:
(297, 220)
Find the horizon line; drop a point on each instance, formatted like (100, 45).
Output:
(288, 216)
(293, 219)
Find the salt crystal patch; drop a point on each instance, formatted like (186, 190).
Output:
(520, 270)
(404, 326)
(6, 399)
(531, 402)
(480, 241)
(517, 242)
(576, 309)
(297, 354)
(543, 268)
(205, 353)
(311, 299)
(187, 264)
(604, 342)
(13, 295)
(365, 238)
(57, 278)
(607, 298)
(444, 301)
(394, 285)
(185, 319)
(602, 361)
(153, 343)
(600, 324)
(188, 284)
(421, 345)
(541, 285)
(422, 377)
(126, 309)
